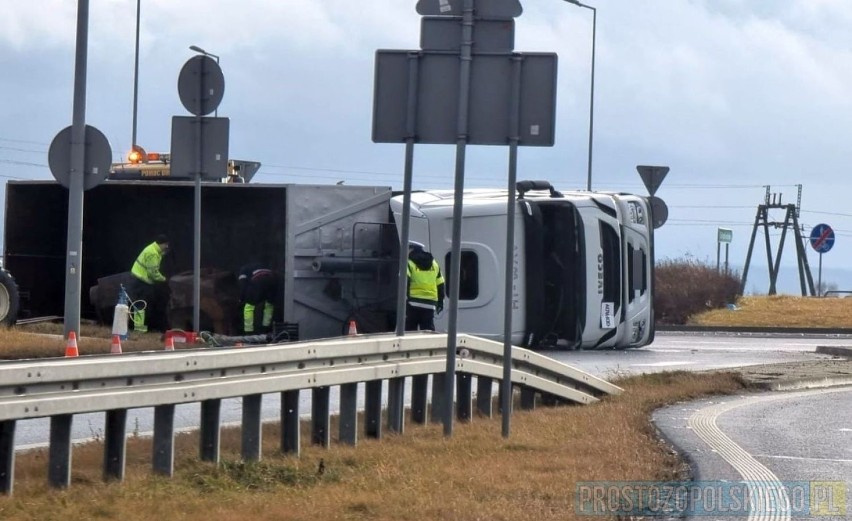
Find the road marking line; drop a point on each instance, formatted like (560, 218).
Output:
(803, 458)
(770, 489)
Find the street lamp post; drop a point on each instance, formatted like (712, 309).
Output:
(136, 76)
(592, 89)
(199, 50)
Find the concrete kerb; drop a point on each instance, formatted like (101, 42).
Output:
(845, 352)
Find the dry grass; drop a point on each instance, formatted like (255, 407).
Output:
(45, 340)
(476, 474)
(781, 311)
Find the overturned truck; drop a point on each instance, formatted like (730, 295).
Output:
(583, 266)
(286, 226)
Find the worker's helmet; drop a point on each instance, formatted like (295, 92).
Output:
(414, 245)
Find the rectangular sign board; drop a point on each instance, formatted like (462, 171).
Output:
(437, 93)
(214, 147)
(443, 33)
(725, 235)
(483, 9)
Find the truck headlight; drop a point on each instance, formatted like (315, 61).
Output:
(638, 331)
(637, 213)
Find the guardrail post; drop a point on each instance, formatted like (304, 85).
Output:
(349, 414)
(290, 435)
(419, 398)
(396, 405)
(251, 435)
(464, 390)
(7, 456)
(484, 399)
(211, 419)
(59, 473)
(437, 413)
(373, 409)
(527, 399)
(320, 416)
(115, 444)
(163, 459)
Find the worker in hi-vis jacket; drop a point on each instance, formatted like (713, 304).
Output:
(258, 291)
(146, 274)
(425, 289)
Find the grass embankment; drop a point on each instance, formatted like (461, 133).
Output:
(45, 340)
(475, 474)
(781, 311)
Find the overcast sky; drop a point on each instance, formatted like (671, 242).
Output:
(733, 95)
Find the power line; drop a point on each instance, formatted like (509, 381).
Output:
(23, 141)
(27, 150)
(22, 163)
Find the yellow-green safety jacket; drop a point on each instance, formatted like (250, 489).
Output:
(147, 265)
(423, 285)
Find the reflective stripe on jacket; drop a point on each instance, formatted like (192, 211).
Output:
(147, 265)
(423, 284)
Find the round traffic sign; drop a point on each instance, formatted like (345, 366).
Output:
(659, 211)
(97, 160)
(201, 85)
(822, 238)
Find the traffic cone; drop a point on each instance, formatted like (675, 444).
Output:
(71, 345)
(170, 343)
(353, 330)
(115, 347)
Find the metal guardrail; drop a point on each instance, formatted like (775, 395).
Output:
(836, 292)
(60, 388)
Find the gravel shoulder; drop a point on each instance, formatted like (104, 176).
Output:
(803, 375)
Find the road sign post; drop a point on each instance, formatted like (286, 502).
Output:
(450, 92)
(201, 86)
(822, 240)
(723, 235)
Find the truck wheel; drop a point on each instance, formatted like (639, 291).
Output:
(10, 300)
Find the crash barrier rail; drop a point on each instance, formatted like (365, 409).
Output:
(836, 292)
(61, 388)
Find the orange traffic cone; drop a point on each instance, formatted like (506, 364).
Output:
(115, 347)
(353, 330)
(170, 342)
(71, 345)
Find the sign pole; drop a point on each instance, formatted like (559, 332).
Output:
(727, 245)
(74, 258)
(466, 59)
(411, 130)
(718, 251)
(509, 288)
(819, 278)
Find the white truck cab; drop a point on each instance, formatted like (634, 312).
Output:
(577, 283)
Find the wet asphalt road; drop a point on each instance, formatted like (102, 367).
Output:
(788, 437)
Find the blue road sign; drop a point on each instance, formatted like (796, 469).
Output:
(822, 238)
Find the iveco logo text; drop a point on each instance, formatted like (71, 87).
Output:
(600, 274)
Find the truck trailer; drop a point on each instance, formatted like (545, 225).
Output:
(583, 273)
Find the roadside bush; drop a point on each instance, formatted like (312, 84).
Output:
(687, 286)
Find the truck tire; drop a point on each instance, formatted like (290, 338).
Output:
(10, 299)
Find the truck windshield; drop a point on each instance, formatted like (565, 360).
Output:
(555, 272)
(611, 250)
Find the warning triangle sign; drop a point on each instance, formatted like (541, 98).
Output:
(652, 176)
